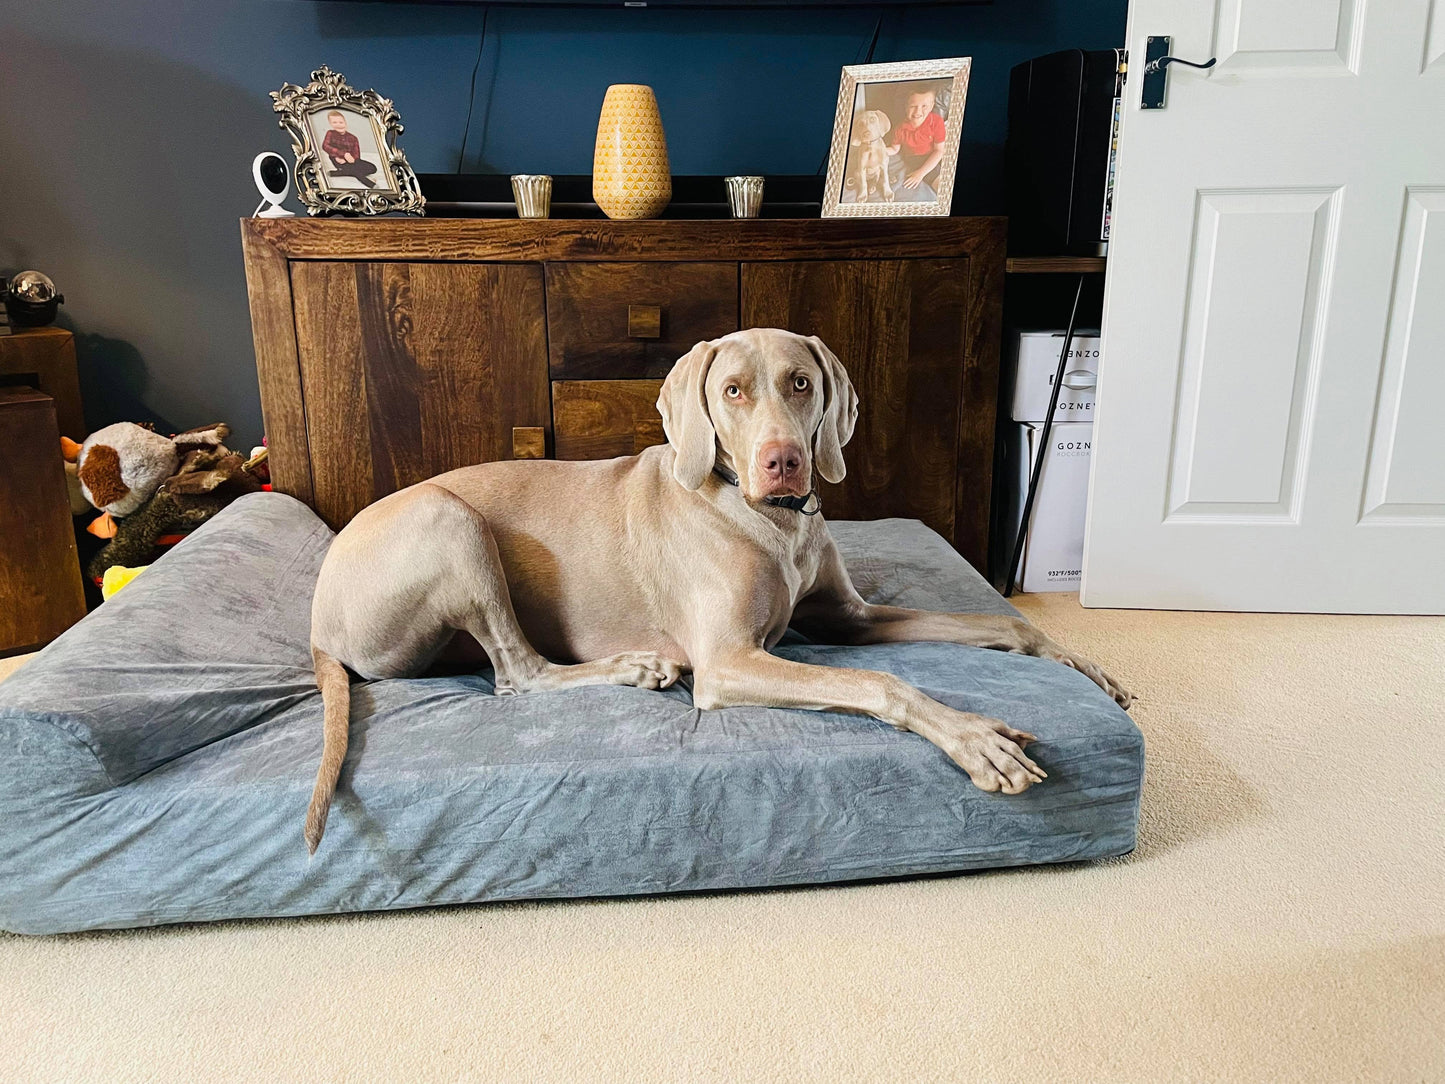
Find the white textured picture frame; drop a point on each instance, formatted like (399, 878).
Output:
(955, 69)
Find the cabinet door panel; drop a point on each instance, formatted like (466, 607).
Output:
(412, 369)
(899, 327)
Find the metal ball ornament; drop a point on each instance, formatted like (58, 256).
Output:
(31, 299)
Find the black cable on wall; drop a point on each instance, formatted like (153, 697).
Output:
(866, 58)
(472, 93)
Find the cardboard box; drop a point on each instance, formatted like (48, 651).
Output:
(1054, 551)
(1035, 360)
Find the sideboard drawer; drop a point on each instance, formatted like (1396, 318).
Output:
(602, 419)
(611, 320)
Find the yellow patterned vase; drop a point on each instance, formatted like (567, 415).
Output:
(630, 174)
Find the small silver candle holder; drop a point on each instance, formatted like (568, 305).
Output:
(533, 193)
(745, 196)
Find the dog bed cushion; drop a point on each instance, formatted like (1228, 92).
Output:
(156, 760)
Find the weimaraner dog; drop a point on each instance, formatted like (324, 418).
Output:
(870, 160)
(694, 555)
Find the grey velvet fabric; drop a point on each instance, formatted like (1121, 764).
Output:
(156, 760)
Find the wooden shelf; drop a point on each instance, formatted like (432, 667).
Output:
(1044, 265)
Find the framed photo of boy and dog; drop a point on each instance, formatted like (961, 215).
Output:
(895, 139)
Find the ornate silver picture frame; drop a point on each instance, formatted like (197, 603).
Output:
(347, 160)
(895, 139)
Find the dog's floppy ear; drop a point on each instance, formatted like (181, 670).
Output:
(840, 413)
(683, 406)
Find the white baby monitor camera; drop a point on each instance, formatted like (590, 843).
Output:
(273, 181)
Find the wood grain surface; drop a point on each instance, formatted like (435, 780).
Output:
(40, 588)
(590, 335)
(529, 442)
(1055, 265)
(591, 239)
(273, 330)
(978, 403)
(43, 358)
(602, 419)
(898, 327)
(644, 321)
(411, 370)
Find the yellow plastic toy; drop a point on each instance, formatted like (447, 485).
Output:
(116, 577)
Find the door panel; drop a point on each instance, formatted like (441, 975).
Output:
(1435, 39)
(1265, 426)
(412, 369)
(1250, 348)
(1254, 37)
(1405, 475)
(898, 327)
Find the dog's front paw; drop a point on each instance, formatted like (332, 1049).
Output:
(645, 670)
(1091, 670)
(992, 753)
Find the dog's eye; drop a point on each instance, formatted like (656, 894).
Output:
(733, 391)
(800, 382)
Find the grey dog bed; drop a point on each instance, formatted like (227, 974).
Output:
(156, 760)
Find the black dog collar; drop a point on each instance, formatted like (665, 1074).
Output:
(796, 504)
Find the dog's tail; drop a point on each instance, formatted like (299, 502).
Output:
(335, 688)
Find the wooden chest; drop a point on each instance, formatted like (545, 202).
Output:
(392, 350)
(40, 588)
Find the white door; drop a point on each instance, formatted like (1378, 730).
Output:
(1270, 425)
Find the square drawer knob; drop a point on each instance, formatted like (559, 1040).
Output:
(529, 442)
(644, 321)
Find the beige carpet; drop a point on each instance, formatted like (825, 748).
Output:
(1283, 919)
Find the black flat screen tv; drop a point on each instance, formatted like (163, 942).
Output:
(702, 3)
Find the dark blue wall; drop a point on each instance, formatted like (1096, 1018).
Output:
(127, 128)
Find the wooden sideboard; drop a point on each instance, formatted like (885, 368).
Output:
(390, 350)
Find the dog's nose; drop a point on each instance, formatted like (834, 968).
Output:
(780, 460)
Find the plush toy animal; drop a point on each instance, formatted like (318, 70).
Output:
(206, 480)
(120, 467)
(146, 485)
(70, 452)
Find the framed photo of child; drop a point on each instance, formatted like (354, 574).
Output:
(895, 139)
(347, 160)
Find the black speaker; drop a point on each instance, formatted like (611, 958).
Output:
(1062, 115)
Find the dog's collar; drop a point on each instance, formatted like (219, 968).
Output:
(796, 504)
